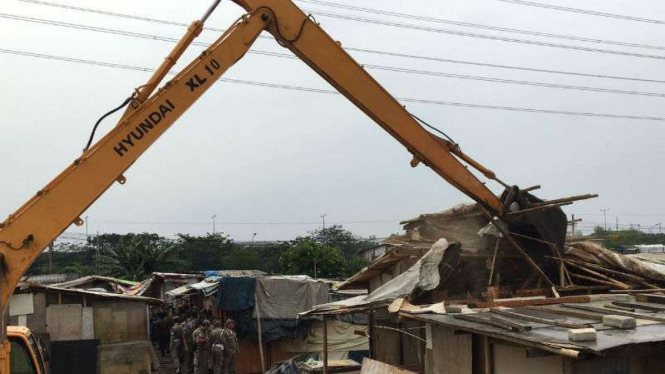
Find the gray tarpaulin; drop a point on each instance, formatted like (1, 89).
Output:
(285, 297)
(422, 276)
(595, 254)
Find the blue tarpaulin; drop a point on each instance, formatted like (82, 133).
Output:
(236, 293)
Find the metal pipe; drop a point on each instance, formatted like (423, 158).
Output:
(210, 10)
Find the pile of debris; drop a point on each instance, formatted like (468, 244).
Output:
(486, 261)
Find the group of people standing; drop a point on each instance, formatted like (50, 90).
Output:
(197, 348)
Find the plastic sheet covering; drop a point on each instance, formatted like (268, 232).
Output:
(341, 338)
(285, 297)
(286, 367)
(422, 276)
(593, 253)
(236, 293)
(208, 286)
(271, 329)
(178, 291)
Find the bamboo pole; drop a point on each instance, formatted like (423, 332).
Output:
(259, 329)
(512, 241)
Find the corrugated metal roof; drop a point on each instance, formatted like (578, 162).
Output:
(108, 295)
(51, 278)
(555, 338)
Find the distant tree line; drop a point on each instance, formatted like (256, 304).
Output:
(613, 239)
(330, 252)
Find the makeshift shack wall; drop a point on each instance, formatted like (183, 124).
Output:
(386, 341)
(513, 360)
(35, 321)
(248, 360)
(120, 321)
(450, 353)
(390, 273)
(637, 359)
(411, 347)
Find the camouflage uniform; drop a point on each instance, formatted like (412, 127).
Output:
(187, 333)
(177, 345)
(231, 349)
(202, 349)
(217, 350)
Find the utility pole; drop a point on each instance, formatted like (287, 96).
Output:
(323, 217)
(99, 255)
(659, 227)
(253, 236)
(572, 223)
(605, 216)
(617, 221)
(50, 258)
(86, 228)
(214, 217)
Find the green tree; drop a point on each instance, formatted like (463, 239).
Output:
(313, 259)
(336, 236)
(136, 256)
(204, 252)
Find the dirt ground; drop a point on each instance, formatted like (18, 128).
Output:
(165, 363)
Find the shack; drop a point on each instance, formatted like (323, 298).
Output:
(266, 309)
(159, 284)
(486, 302)
(87, 331)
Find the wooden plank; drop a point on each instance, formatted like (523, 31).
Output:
(512, 241)
(638, 305)
(473, 317)
(525, 317)
(596, 309)
(514, 325)
(651, 290)
(570, 313)
(63, 322)
(452, 353)
(618, 284)
(610, 306)
(520, 303)
(376, 367)
(657, 299)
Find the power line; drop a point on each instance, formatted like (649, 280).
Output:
(482, 36)
(585, 11)
(190, 223)
(362, 50)
(322, 91)
(477, 25)
(369, 66)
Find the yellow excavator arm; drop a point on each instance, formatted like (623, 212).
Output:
(25, 234)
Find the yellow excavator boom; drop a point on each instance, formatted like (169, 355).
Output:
(28, 231)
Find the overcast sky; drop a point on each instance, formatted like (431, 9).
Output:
(271, 161)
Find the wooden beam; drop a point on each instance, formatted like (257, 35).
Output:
(512, 241)
(545, 321)
(658, 299)
(529, 302)
(599, 310)
(638, 305)
(570, 313)
(610, 306)
(566, 200)
(325, 345)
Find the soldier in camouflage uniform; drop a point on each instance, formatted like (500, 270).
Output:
(217, 347)
(202, 340)
(177, 343)
(231, 347)
(188, 344)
